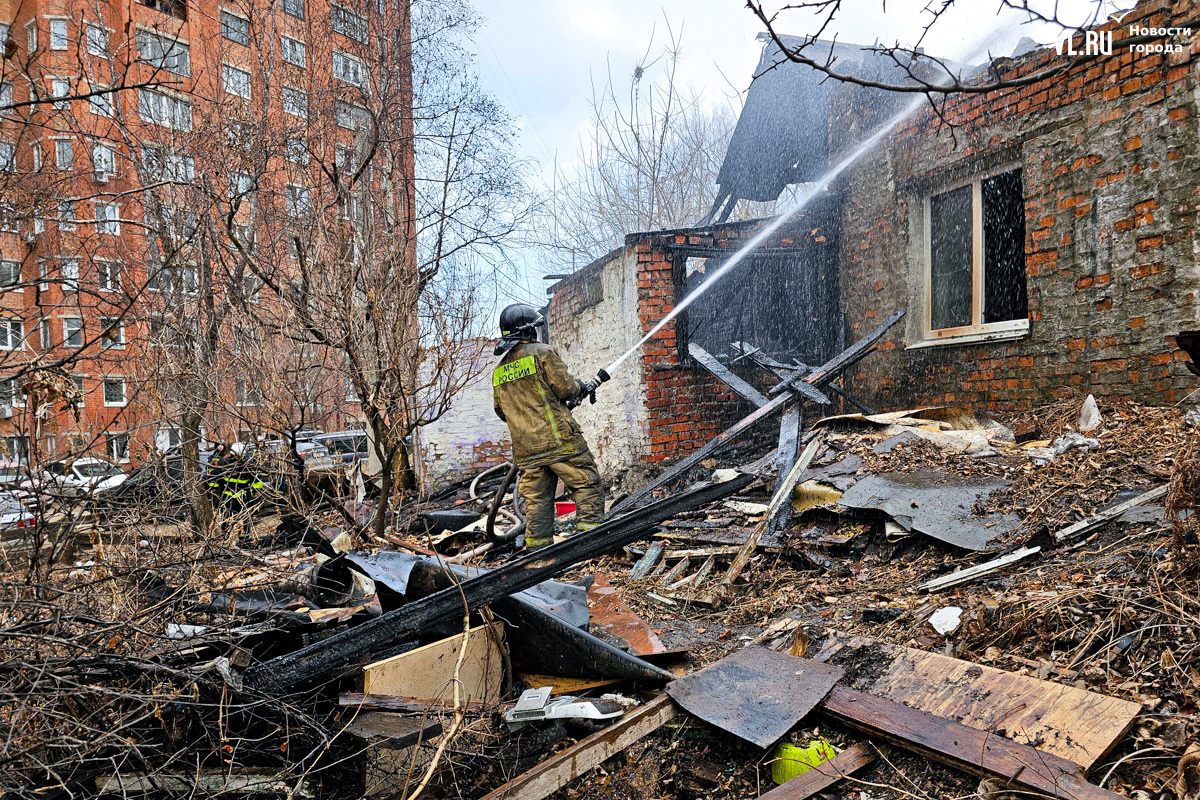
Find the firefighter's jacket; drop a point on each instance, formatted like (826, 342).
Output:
(530, 390)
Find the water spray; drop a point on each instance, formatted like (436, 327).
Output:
(778, 222)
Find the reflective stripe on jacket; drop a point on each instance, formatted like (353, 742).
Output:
(529, 391)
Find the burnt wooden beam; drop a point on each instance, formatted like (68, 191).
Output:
(962, 746)
(785, 459)
(344, 652)
(722, 439)
(722, 373)
(825, 373)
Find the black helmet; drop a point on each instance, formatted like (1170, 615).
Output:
(518, 323)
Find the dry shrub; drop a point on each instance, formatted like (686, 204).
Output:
(1183, 499)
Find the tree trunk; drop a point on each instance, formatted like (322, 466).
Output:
(199, 508)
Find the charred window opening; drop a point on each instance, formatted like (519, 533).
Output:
(592, 291)
(976, 257)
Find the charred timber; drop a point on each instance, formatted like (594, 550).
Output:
(343, 652)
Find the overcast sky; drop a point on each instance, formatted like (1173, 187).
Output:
(541, 58)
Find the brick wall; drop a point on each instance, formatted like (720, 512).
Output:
(1110, 159)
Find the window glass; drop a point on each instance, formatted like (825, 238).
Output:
(237, 81)
(97, 40)
(293, 51)
(294, 7)
(72, 332)
(58, 34)
(163, 53)
(295, 102)
(347, 23)
(234, 28)
(1004, 293)
(114, 391)
(950, 267)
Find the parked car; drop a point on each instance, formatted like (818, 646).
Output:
(344, 446)
(154, 486)
(83, 476)
(14, 516)
(18, 479)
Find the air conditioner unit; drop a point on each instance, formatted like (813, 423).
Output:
(102, 176)
(6, 412)
(30, 238)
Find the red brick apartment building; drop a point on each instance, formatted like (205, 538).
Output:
(160, 159)
(1044, 244)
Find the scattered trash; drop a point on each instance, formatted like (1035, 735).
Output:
(535, 705)
(946, 620)
(1089, 416)
(1072, 441)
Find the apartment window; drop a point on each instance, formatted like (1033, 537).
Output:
(17, 448)
(295, 102)
(101, 103)
(31, 32)
(292, 51)
(240, 184)
(60, 87)
(167, 439)
(63, 157)
(58, 34)
(66, 216)
(171, 279)
(70, 275)
(237, 81)
(347, 23)
(348, 69)
(108, 219)
(296, 151)
(975, 258)
(37, 157)
(12, 334)
(162, 109)
(108, 275)
(248, 394)
(250, 288)
(163, 166)
(163, 53)
(299, 201)
(234, 28)
(112, 333)
(6, 96)
(104, 160)
(294, 7)
(72, 331)
(8, 157)
(117, 445)
(350, 117)
(97, 40)
(10, 394)
(45, 335)
(80, 392)
(114, 392)
(10, 273)
(171, 7)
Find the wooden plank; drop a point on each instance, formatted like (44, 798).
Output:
(557, 771)
(822, 776)
(1063, 721)
(785, 459)
(642, 568)
(407, 705)
(847, 358)
(344, 652)
(979, 570)
(1107, 515)
(961, 746)
(783, 495)
(560, 685)
(390, 730)
(429, 671)
(722, 373)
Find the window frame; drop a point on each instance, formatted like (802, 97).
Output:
(293, 92)
(344, 58)
(8, 325)
(70, 152)
(115, 379)
(977, 330)
(66, 340)
(339, 14)
(289, 8)
(167, 47)
(107, 224)
(57, 42)
(228, 70)
(108, 323)
(289, 46)
(226, 29)
(119, 455)
(31, 32)
(10, 275)
(102, 39)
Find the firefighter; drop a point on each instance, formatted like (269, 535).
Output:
(531, 389)
(233, 484)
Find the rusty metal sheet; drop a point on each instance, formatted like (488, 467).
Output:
(756, 694)
(614, 619)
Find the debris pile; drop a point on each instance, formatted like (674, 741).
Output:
(928, 603)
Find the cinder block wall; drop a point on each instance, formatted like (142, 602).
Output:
(1110, 158)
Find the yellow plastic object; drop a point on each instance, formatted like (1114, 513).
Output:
(791, 761)
(811, 494)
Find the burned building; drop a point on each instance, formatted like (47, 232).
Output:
(1042, 240)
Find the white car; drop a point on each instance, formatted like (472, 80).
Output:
(13, 515)
(84, 476)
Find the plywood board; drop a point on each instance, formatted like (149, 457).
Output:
(427, 672)
(1075, 724)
